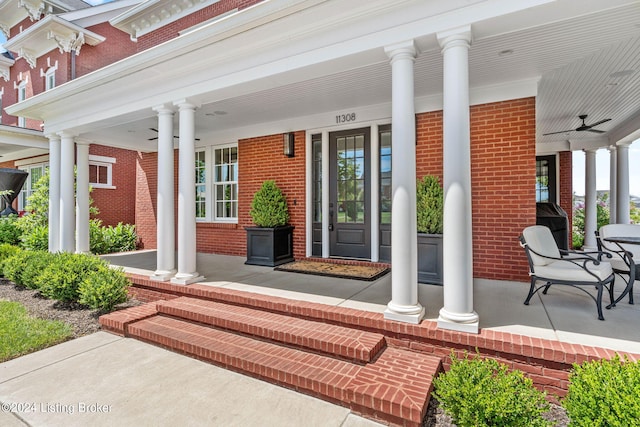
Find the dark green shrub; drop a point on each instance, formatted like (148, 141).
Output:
(104, 288)
(6, 251)
(482, 392)
(604, 393)
(9, 231)
(106, 240)
(62, 277)
(429, 205)
(269, 206)
(24, 267)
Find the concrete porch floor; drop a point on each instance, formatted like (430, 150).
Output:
(564, 314)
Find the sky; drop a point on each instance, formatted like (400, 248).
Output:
(602, 170)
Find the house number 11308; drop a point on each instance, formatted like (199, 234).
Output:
(344, 118)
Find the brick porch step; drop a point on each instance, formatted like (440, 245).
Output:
(338, 341)
(394, 387)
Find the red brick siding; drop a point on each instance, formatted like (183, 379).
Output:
(146, 189)
(117, 45)
(171, 30)
(119, 204)
(503, 180)
(261, 159)
(566, 187)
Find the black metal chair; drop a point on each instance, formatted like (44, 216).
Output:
(623, 256)
(553, 266)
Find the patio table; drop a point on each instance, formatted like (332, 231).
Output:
(619, 241)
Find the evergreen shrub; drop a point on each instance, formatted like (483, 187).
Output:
(62, 277)
(429, 205)
(269, 206)
(104, 288)
(9, 231)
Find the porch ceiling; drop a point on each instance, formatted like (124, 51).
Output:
(587, 64)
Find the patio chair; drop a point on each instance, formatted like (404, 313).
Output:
(624, 256)
(553, 266)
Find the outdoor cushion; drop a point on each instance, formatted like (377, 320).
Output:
(620, 230)
(540, 239)
(563, 270)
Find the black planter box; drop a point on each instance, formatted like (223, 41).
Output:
(430, 258)
(269, 246)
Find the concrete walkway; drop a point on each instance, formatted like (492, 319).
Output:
(105, 380)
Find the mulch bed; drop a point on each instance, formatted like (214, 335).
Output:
(344, 271)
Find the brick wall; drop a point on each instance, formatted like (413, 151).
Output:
(171, 31)
(146, 186)
(503, 180)
(566, 187)
(117, 45)
(119, 204)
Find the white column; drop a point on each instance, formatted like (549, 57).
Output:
(82, 197)
(590, 201)
(325, 196)
(54, 193)
(404, 304)
(165, 224)
(375, 193)
(67, 198)
(186, 197)
(622, 185)
(457, 313)
(613, 178)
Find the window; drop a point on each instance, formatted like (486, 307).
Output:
(546, 179)
(36, 171)
(50, 79)
(216, 171)
(22, 95)
(101, 171)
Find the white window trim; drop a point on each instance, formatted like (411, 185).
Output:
(210, 187)
(107, 162)
(22, 95)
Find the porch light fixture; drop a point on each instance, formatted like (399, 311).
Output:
(289, 146)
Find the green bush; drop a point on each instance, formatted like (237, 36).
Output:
(269, 206)
(604, 393)
(104, 288)
(37, 239)
(429, 205)
(109, 239)
(9, 231)
(482, 392)
(24, 267)
(62, 277)
(6, 251)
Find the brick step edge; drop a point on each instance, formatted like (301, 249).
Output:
(337, 341)
(394, 388)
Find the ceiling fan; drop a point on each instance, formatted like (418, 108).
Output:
(582, 127)
(155, 137)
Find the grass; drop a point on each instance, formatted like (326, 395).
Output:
(21, 334)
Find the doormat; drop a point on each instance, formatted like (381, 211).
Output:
(343, 271)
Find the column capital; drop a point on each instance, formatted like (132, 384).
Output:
(186, 104)
(164, 109)
(460, 36)
(612, 148)
(82, 141)
(624, 144)
(52, 137)
(406, 49)
(590, 150)
(67, 134)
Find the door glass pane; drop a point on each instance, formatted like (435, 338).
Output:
(351, 174)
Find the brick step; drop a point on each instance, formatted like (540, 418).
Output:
(395, 387)
(337, 341)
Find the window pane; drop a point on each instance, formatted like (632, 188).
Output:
(226, 185)
(103, 175)
(93, 174)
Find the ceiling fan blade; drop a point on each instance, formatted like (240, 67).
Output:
(599, 123)
(595, 131)
(562, 131)
(152, 139)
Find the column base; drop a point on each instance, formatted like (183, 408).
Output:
(469, 322)
(162, 275)
(406, 314)
(186, 278)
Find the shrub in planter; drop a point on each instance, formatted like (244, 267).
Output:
(62, 277)
(604, 393)
(429, 205)
(104, 288)
(269, 206)
(9, 231)
(482, 392)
